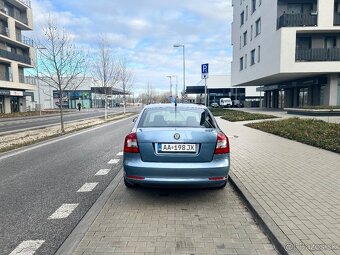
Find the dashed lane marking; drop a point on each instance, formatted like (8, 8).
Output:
(103, 172)
(120, 153)
(113, 161)
(87, 187)
(63, 211)
(27, 247)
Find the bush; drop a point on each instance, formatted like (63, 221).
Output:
(308, 131)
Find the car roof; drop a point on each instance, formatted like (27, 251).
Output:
(181, 106)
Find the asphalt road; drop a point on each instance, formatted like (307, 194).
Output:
(15, 124)
(36, 181)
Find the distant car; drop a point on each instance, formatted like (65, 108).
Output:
(238, 104)
(177, 146)
(214, 105)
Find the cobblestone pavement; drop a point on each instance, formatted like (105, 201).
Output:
(155, 221)
(296, 184)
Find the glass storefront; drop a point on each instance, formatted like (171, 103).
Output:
(2, 104)
(338, 99)
(303, 97)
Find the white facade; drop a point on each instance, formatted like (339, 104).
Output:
(16, 54)
(288, 41)
(224, 81)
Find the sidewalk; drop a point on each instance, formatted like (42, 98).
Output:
(296, 185)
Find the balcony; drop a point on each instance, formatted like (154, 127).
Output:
(25, 40)
(26, 2)
(318, 54)
(4, 31)
(5, 76)
(297, 20)
(22, 17)
(15, 57)
(27, 80)
(336, 19)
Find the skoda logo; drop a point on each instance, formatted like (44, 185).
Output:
(177, 136)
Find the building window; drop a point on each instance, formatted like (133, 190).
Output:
(241, 64)
(258, 54)
(258, 27)
(247, 12)
(252, 57)
(251, 32)
(245, 38)
(304, 43)
(240, 42)
(260, 2)
(253, 6)
(330, 42)
(242, 18)
(245, 61)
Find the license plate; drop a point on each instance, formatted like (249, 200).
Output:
(176, 147)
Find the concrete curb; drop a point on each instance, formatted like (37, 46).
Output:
(72, 241)
(273, 231)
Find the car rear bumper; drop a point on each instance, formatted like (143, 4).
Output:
(206, 174)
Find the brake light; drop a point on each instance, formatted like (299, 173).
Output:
(222, 145)
(131, 145)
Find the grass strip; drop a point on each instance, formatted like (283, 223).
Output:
(308, 131)
(235, 115)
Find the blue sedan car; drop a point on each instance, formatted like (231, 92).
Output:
(176, 145)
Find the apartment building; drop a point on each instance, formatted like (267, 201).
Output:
(291, 48)
(16, 54)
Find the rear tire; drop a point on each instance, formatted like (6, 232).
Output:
(128, 184)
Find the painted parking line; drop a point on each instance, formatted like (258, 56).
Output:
(103, 172)
(120, 153)
(113, 161)
(63, 211)
(27, 247)
(87, 187)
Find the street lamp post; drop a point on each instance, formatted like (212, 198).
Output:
(170, 76)
(178, 46)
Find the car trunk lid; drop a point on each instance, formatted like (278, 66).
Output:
(176, 144)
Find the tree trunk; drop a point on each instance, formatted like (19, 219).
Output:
(61, 114)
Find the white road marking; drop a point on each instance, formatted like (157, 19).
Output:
(87, 187)
(120, 153)
(103, 172)
(63, 211)
(27, 247)
(113, 161)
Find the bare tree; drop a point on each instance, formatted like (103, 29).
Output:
(61, 64)
(126, 79)
(105, 68)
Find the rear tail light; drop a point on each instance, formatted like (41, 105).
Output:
(131, 145)
(217, 178)
(136, 177)
(222, 145)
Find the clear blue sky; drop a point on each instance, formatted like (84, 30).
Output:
(145, 32)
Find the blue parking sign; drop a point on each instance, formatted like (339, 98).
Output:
(205, 71)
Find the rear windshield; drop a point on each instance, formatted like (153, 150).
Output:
(191, 117)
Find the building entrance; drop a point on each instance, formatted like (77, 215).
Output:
(15, 104)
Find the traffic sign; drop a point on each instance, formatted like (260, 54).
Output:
(205, 71)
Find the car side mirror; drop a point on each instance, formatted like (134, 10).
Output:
(134, 119)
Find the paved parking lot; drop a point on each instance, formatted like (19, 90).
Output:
(155, 221)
